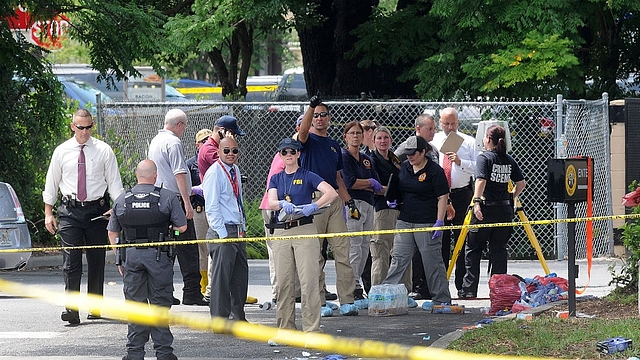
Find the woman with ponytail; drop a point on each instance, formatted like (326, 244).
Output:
(492, 203)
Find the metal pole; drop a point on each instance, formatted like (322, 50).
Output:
(571, 212)
(560, 237)
(99, 113)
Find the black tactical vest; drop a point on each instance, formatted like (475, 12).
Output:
(142, 220)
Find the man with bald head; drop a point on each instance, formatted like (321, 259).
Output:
(167, 152)
(143, 215)
(459, 166)
(225, 213)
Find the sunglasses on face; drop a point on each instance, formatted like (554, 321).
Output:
(226, 151)
(284, 152)
(367, 127)
(80, 127)
(321, 114)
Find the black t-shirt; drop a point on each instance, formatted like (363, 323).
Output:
(384, 168)
(497, 173)
(419, 192)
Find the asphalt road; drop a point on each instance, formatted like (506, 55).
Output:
(32, 329)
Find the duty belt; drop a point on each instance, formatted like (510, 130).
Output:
(291, 224)
(497, 202)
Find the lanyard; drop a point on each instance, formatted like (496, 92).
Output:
(234, 183)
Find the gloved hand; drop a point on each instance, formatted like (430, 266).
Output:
(392, 204)
(309, 209)
(288, 207)
(314, 101)
(353, 210)
(375, 185)
(197, 190)
(437, 233)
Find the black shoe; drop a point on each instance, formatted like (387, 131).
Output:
(298, 300)
(127, 357)
(168, 357)
(329, 295)
(199, 301)
(176, 301)
(467, 295)
(71, 316)
(415, 296)
(460, 293)
(94, 316)
(358, 294)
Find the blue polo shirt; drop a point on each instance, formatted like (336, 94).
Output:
(358, 169)
(299, 186)
(322, 155)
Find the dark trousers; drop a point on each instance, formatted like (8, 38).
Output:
(188, 259)
(497, 237)
(77, 229)
(229, 276)
(148, 279)
(460, 200)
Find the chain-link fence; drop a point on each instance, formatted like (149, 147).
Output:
(131, 126)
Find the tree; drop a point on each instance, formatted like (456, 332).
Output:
(505, 48)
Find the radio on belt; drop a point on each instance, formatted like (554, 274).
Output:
(614, 345)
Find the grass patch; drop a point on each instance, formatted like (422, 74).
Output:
(574, 338)
(551, 337)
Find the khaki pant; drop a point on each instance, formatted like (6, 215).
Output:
(297, 259)
(332, 221)
(381, 245)
(266, 216)
(201, 224)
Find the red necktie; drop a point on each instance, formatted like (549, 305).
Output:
(82, 176)
(446, 166)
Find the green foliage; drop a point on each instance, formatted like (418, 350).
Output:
(628, 277)
(255, 228)
(33, 122)
(126, 162)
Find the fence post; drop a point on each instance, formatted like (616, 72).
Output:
(559, 208)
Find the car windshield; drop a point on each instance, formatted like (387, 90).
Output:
(85, 91)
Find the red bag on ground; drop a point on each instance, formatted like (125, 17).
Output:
(503, 292)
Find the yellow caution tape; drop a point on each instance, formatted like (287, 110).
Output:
(153, 315)
(345, 234)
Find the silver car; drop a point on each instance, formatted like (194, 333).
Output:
(14, 233)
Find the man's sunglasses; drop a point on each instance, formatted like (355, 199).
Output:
(227, 151)
(322, 114)
(80, 127)
(284, 152)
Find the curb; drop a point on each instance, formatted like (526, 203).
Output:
(36, 262)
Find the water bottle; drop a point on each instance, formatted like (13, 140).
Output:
(562, 147)
(387, 300)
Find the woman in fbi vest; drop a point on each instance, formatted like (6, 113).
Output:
(492, 203)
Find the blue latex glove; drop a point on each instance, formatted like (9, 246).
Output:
(375, 185)
(392, 204)
(197, 190)
(288, 207)
(309, 209)
(437, 233)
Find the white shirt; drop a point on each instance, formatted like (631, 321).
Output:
(221, 203)
(102, 171)
(460, 175)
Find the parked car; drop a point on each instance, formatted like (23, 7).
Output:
(292, 86)
(147, 88)
(14, 233)
(83, 92)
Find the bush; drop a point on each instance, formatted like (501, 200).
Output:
(628, 277)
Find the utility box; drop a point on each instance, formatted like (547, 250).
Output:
(568, 180)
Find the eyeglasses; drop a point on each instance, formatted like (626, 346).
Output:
(367, 127)
(321, 114)
(226, 151)
(80, 127)
(284, 152)
(354, 133)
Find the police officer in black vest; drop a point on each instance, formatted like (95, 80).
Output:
(143, 215)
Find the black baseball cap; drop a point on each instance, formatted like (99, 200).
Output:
(289, 143)
(230, 123)
(415, 143)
